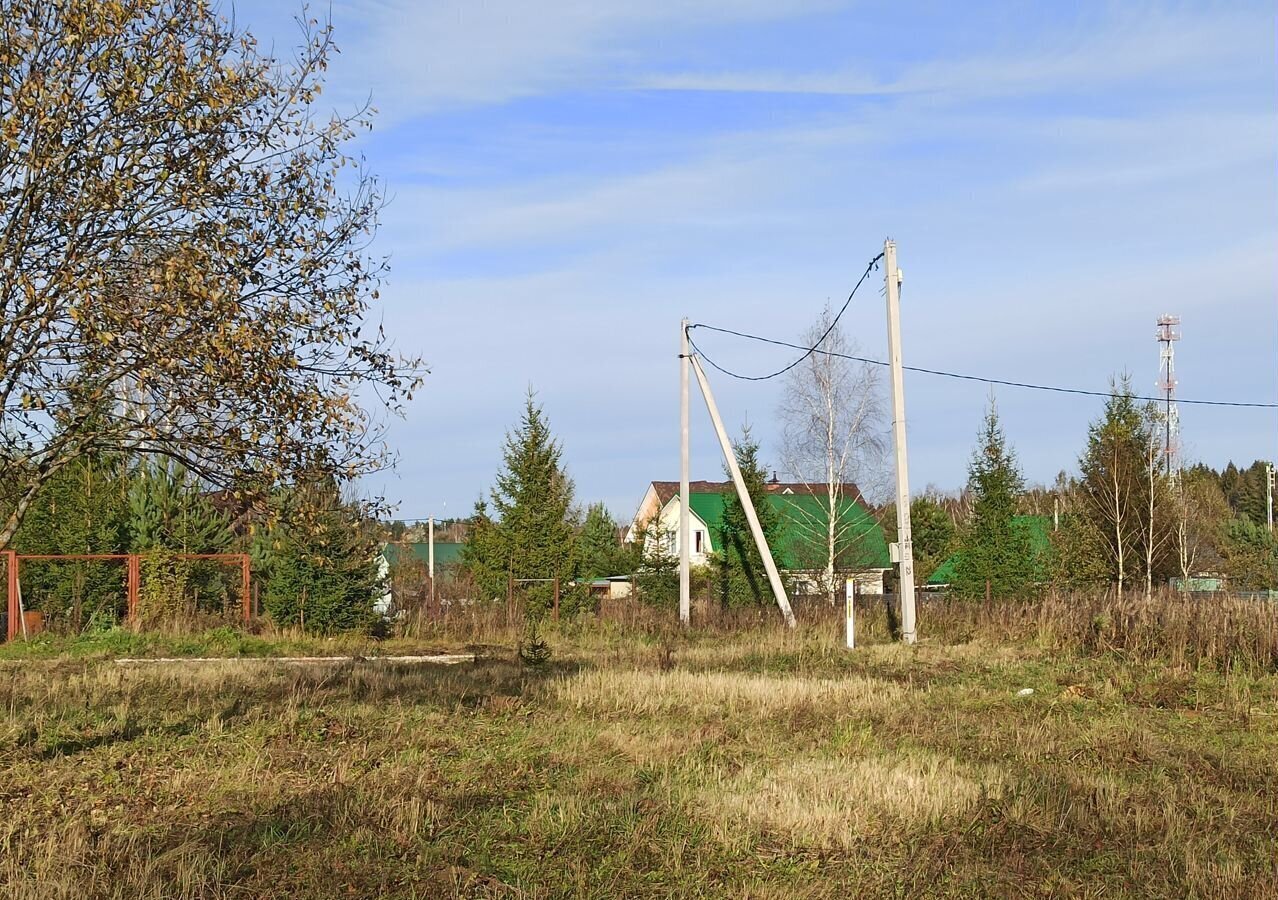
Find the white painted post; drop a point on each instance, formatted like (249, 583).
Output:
(851, 614)
(904, 538)
(685, 537)
(774, 577)
(430, 556)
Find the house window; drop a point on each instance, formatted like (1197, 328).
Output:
(696, 542)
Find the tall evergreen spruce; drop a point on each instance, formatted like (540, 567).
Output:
(743, 580)
(533, 534)
(993, 549)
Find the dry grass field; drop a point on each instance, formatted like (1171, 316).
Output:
(742, 762)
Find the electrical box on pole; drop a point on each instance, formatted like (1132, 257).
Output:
(905, 545)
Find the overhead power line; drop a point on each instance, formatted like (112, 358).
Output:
(807, 351)
(816, 349)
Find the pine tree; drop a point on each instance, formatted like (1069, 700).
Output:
(168, 510)
(484, 555)
(1250, 497)
(743, 580)
(656, 566)
(1230, 484)
(82, 509)
(933, 534)
(534, 535)
(1250, 555)
(170, 514)
(599, 551)
(1078, 557)
(324, 570)
(993, 549)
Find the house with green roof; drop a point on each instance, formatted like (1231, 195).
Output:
(1037, 528)
(804, 513)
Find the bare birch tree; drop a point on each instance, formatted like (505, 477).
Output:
(1156, 536)
(1111, 487)
(832, 414)
(1198, 511)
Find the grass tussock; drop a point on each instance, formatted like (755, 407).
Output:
(644, 694)
(823, 802)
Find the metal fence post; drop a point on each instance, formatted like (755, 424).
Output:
(11, 568)
(133, 568)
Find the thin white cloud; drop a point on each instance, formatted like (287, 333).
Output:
(703, 194)
(422, 56)
(1135, 46)
(834, 84)
(1132, 153)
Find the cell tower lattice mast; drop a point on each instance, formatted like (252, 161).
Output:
(1168, 333)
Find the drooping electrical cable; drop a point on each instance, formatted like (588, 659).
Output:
(816, 349)
(807, 351)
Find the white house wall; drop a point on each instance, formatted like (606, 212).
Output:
(667, 531)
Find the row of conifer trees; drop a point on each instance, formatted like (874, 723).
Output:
(313, 556)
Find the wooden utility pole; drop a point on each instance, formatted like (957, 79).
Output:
(761, 542)
(685, 538)
(904, 540)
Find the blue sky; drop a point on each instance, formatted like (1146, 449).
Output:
(569, 178)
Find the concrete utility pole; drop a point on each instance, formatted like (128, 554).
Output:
(430, 556)
(1269, 495)
(430, 542)
(905, 543)
(685, 542)
(774, 577)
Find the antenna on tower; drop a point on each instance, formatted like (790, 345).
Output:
(1167, 335)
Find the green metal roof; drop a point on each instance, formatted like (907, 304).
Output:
(446, 554)
(803, 539)
(1038, 528)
